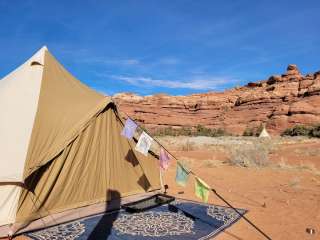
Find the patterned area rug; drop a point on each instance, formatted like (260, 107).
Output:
(179, 220)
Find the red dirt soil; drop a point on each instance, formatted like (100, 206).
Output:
(291, 197)
(282, 201)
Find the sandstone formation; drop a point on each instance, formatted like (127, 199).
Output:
(279, 102)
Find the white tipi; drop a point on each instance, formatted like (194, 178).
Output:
(264, 133)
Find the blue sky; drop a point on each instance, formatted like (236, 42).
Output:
(174, 47)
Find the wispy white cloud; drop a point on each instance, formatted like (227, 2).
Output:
(85, 56)
(197, 83)
(132, 61)
(112, 61)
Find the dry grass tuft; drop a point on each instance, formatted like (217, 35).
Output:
(283, 165)
(211, 163)
(250, 155)
(308, 152)
(294, 183)
(307, 166)
(188, 146)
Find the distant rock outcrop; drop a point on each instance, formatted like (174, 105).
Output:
(279, 102)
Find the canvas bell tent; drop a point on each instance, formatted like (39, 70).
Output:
(61, 147)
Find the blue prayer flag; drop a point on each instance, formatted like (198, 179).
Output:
(182, 175)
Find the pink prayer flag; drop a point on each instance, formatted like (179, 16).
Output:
(164, 159)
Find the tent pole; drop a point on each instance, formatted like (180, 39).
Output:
(161, 180)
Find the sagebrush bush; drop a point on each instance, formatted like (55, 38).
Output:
(302, 130)
(210, 132)
(298, 130)
(315, 132)
(248, 132)
(250, 155)
(199, 130)
(253, 131)
(188, 146)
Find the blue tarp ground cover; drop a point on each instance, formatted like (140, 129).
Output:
(179, 220)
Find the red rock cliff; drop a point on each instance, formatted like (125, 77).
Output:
(279, 102)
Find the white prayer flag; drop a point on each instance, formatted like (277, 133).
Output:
(144, 143)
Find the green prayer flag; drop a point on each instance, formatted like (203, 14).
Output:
(202, 189)
(182, 174)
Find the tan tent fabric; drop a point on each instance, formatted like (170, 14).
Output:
(97, 160)
(65, 106)
(75, 153)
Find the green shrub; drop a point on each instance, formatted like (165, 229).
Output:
(199, 130)
(185, 131)
(302, 130)
(259, 130)
(315, 132)
(169, 131)
(253, 131)
(248, 132)
(298, 130)
(209, 132)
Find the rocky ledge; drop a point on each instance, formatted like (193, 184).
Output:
(279, 102)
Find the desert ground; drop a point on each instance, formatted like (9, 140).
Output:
(276, 180)
(279, 185)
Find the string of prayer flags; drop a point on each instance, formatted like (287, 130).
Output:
(164, 159)
(129, 129)
(202, 189)
(182, 175)
(144, 143)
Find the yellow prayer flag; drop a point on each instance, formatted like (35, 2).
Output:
(202, 189)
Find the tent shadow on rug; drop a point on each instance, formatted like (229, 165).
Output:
(104, 227)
